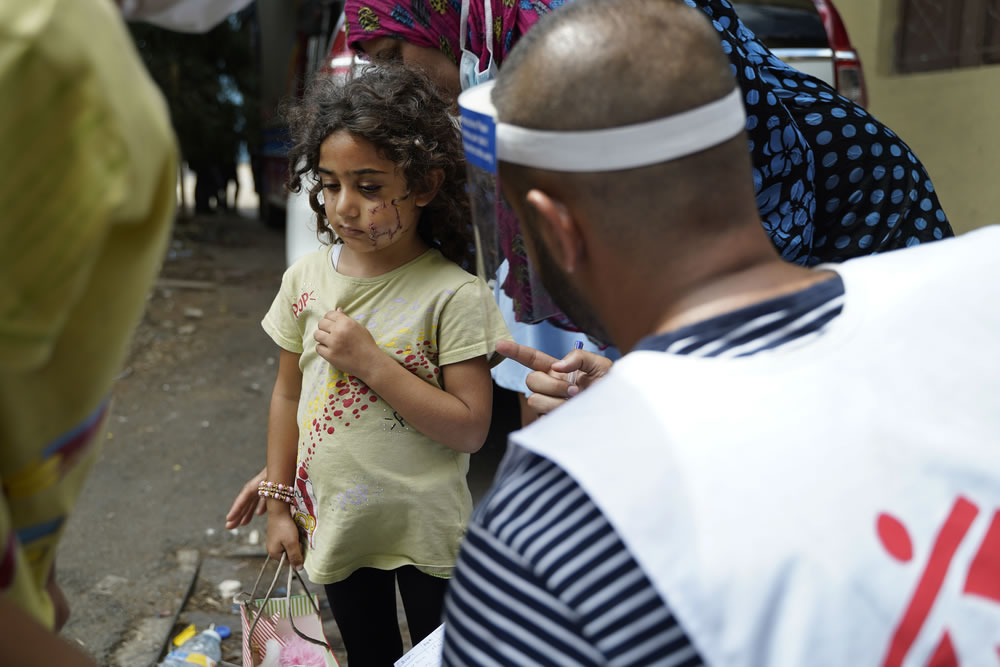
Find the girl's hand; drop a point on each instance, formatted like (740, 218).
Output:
(347, 345)
(247, 503)
(283, 535)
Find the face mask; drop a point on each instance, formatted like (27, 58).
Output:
(468, 67)
(181, 15)
(469, 72)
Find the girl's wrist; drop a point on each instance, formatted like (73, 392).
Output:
(379, 365)
(278, 508)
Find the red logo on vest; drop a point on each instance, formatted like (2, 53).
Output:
(983, 579)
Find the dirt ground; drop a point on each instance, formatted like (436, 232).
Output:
(146, 547)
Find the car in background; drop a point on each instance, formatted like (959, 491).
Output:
(809, 35)
(300, 225)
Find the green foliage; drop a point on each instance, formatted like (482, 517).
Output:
(210, 82)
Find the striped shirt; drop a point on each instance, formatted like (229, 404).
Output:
(543, 578)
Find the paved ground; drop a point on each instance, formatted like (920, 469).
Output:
(187, 429)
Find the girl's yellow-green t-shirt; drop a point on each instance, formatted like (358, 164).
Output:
(371, 490)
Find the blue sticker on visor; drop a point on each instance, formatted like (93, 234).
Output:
(479, 137)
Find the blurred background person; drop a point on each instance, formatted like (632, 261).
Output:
(88, 198)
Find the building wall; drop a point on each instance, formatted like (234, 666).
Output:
(950, 119)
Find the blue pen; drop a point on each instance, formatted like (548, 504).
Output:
(578, 345)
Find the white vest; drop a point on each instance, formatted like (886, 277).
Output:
(837, 503)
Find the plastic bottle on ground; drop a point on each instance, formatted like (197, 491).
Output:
(203, 649)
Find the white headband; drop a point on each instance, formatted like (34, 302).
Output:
(610, 149)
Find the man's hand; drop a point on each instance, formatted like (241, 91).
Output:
(347, 345)
(555, 380)
(247, 503)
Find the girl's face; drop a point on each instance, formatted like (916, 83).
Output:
(365, 196)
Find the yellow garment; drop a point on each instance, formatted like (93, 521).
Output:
(371, 490)
(86, 201)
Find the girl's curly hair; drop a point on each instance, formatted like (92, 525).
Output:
(400, 112)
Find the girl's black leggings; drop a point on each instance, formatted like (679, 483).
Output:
(364, 606)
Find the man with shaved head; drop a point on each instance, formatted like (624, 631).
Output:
(781, 471)
(582, 84)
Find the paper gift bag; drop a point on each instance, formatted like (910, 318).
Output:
(281, 619)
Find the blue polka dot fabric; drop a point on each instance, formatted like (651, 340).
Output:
(832, 182)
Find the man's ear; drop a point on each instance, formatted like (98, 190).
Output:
(558, 229)
(435, 179)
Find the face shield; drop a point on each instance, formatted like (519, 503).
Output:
(500, 250)
(500, 256)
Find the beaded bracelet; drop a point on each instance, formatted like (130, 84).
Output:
(276, 496)
(276, 491)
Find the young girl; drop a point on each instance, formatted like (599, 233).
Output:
(383, 384)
